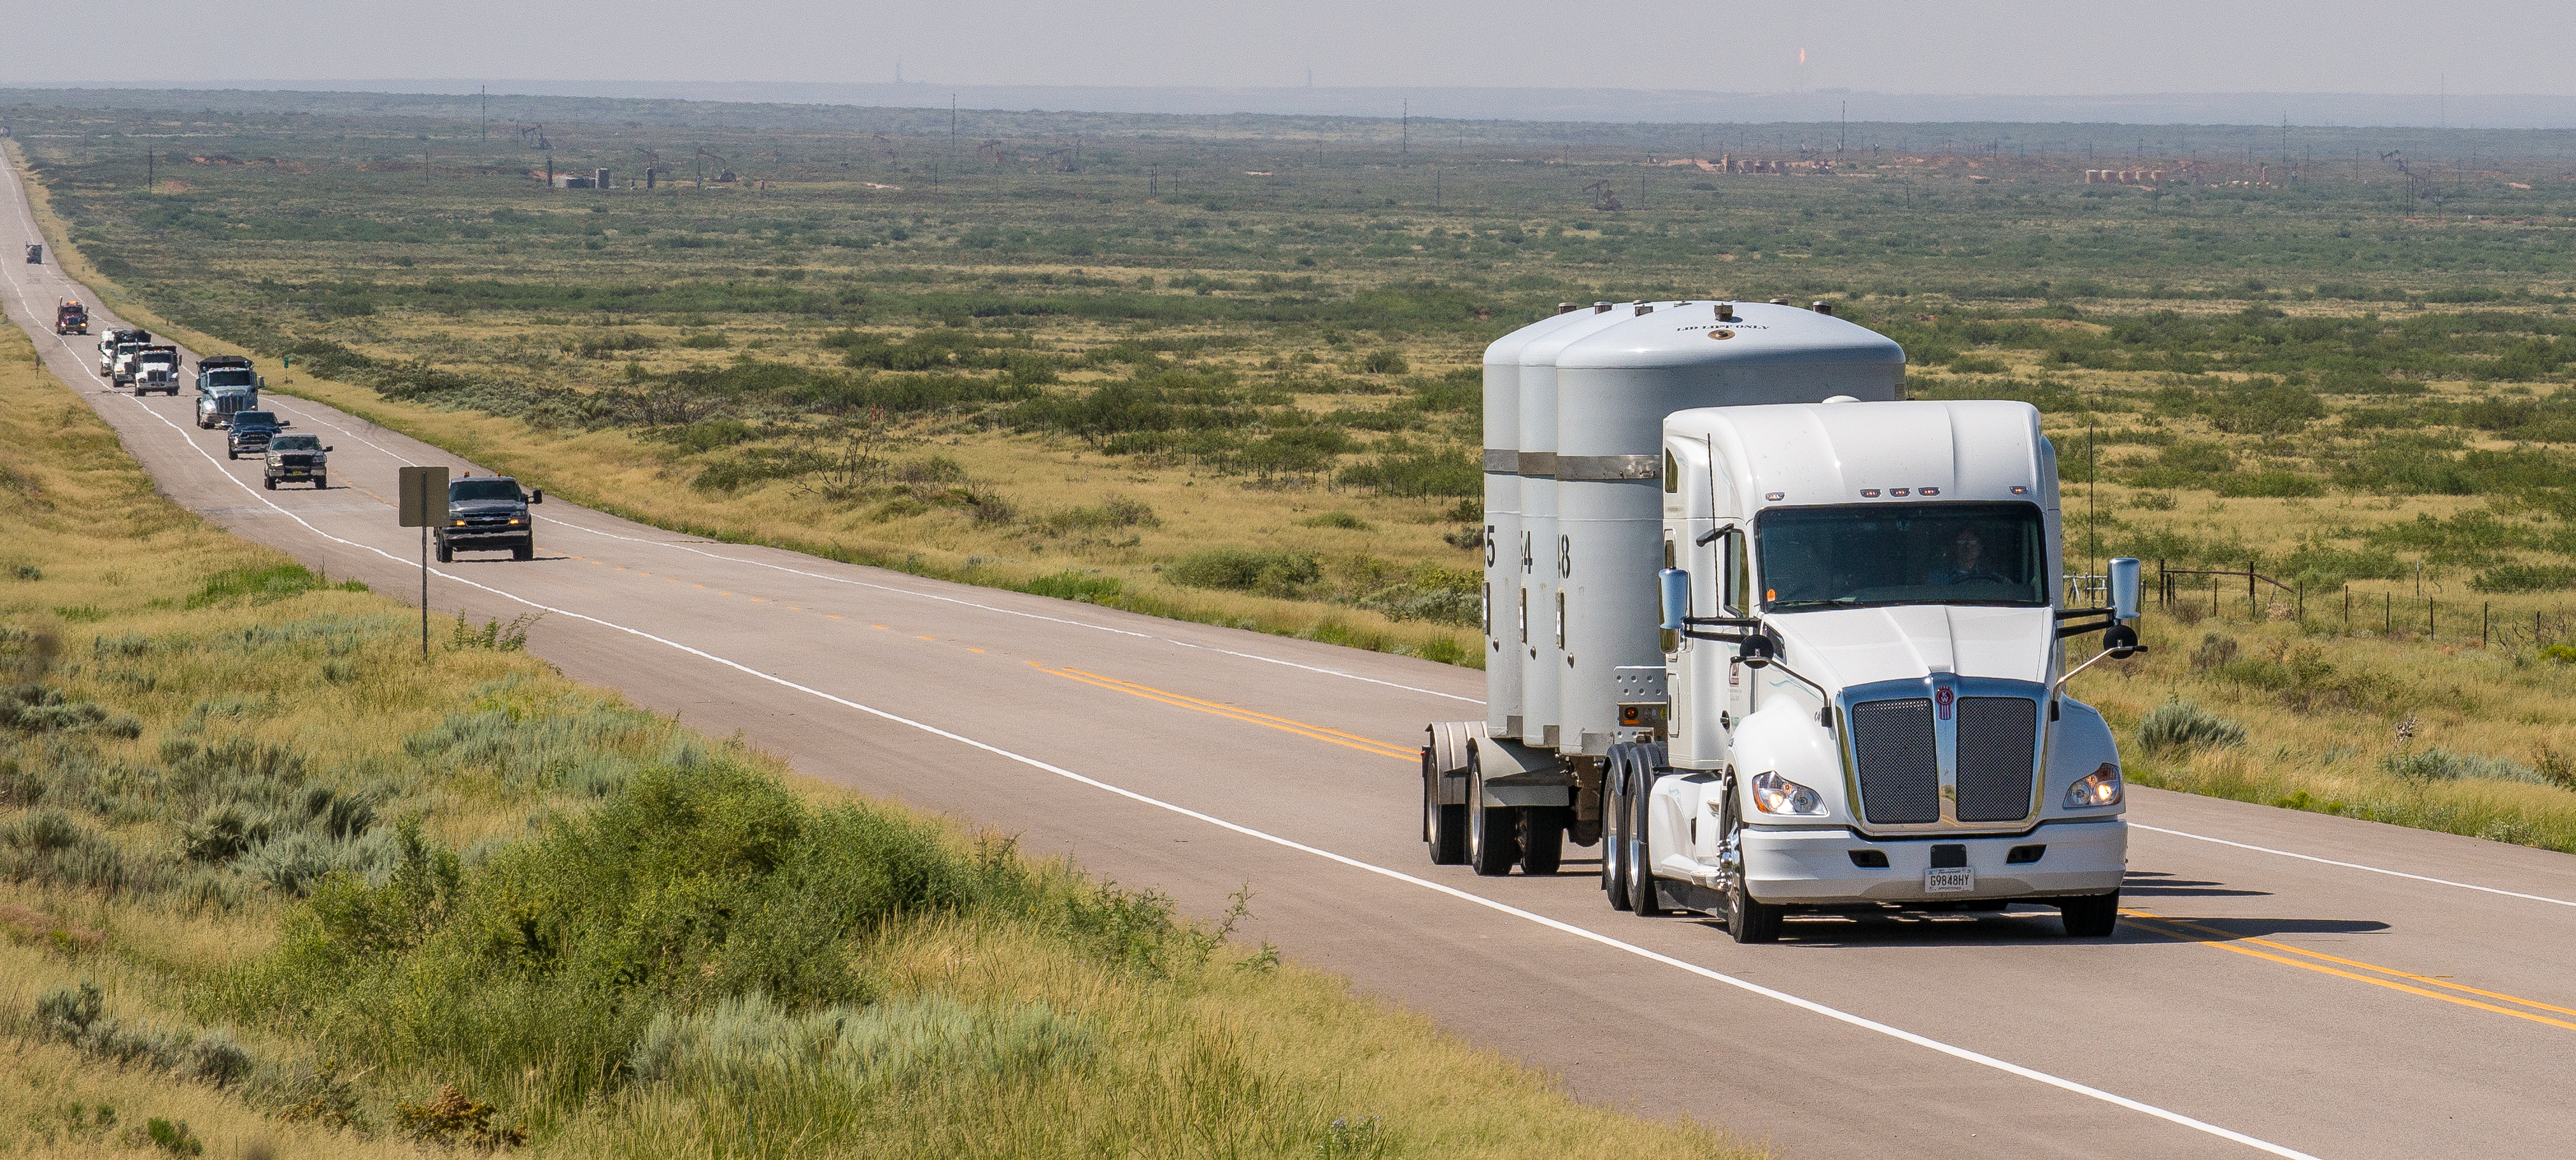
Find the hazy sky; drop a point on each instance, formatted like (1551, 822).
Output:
(1896, 46)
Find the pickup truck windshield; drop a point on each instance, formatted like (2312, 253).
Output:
(243, 420)
(296, 443)
(231, 378)
(1918, 553)
(483, 489)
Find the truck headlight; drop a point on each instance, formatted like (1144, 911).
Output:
(1774, 794)
(2098, 788)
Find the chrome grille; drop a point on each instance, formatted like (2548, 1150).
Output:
(1898, 760)
(1998, 737)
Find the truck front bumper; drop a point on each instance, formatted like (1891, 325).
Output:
(1817, 867)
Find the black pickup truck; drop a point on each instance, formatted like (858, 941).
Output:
(250, 432)
(487, 513)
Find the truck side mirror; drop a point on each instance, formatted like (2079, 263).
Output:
(328, 450)
(1757, 651)
(539, 497)
(2126, 575)
(1676, 592)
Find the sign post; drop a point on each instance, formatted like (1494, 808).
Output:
(424, 502)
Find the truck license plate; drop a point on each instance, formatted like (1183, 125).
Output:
(1949, 880)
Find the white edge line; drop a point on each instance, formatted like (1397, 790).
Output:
(1808, 1005)
(2133, 824)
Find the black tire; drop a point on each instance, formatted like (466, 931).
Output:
(1491, 830)
(1444, 828)
(229, 453)
(2090, 915)
(321, 483)
(1542, 838)
(1748, 920)
(1642, 900)
(524, 552)
(1614, 826)
(270, 482)
(446, 555)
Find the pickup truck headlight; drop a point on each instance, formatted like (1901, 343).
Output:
(456, 523)
(1774, 794)
(2098, 788)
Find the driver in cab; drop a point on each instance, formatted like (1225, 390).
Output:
(1967, 563)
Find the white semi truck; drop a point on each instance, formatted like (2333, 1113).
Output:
(1788, 641)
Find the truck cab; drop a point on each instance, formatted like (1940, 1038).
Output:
(1865, 668)
(112, 345)
(70, 317)
(225, 384)
(156, 368)
(488, 513)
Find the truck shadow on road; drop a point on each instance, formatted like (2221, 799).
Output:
(2156, 884)
(2034, 926)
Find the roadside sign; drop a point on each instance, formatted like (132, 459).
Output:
(424, 496)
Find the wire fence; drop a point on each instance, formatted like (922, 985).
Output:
(2222, 591)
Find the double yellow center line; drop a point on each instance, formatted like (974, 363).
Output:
(1284, 724)
(2426, 986)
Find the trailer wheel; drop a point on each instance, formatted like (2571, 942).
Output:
(2091, 915)
(1614, 828)
(1490, 829)
(1444, 828)
(1642, 901)
(1542, 838)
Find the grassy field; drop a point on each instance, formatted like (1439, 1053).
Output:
(271, 885)
(1226, 372)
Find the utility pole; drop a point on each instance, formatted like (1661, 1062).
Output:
(151, 177)
(1843, 141)
(1407, 146)
(486, 92)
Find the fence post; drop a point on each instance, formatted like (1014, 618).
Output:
(2429, 633)
(2347, 608)
(2251, 612)
(2303, 602)
(2388, 613)
(2485, 609)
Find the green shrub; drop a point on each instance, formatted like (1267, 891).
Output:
(1082, 586)
(1337, 519)
(2180, 726)
(2524, 578)
(1269, 571)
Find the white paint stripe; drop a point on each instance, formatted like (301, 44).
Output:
(1341, 859)
(2134, 824)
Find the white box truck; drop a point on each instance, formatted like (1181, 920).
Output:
(1787, 640)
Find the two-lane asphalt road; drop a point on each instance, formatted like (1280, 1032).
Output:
(2293, 983)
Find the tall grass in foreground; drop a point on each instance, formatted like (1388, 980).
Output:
(268, 878)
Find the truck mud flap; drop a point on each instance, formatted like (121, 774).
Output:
(1689, 896)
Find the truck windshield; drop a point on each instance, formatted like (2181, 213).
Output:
(296, 443)
(245, 420)
(231, 378)
(1876, 554)
(482, 489)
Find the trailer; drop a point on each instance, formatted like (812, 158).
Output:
(1778, 638)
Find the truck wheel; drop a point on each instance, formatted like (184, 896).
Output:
(1614, 829)
(269, 482)
(446, 555)
(321, 483)
(1641, 847)
(524, 552)
(1747, 919)
(2090, 916)
(1444, 828)
(1542, 838)
(1490, 829)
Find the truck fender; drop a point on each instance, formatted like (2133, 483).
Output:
(1679, 825)
(1785, 738)
(2079, 742)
